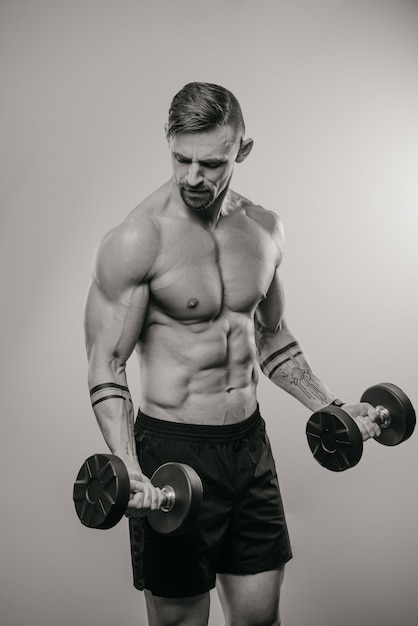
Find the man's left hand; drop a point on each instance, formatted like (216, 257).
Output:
(365, 415)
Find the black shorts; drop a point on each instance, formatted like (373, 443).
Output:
(241, 528)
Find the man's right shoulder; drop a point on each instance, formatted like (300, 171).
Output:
(127, 253)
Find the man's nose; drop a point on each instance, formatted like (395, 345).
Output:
(194, 175)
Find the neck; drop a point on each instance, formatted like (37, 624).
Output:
(210, 217)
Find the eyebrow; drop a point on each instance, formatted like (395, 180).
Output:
(213, 161)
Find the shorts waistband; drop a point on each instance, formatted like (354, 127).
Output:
(198, 432)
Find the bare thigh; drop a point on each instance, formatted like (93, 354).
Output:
(251, 600)
(192, 611)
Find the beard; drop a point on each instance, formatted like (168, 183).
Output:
(197, 198)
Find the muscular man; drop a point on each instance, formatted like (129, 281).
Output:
(191, 280)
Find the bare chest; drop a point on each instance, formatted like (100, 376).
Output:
(201, 272)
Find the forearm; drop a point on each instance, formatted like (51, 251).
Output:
(283, 360)
(112, 404)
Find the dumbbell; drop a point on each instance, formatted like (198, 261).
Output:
(102, 488)
(335, 439)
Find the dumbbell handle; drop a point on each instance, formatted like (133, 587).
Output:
(384, 418)
(170, 499)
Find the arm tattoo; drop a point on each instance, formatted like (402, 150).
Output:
(94, 402)
(123, 393)
(274, 360)
(97, 388)
(292, 371)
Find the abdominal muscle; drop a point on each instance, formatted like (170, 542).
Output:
(201, 373)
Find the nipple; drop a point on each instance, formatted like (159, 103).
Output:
(193, 303)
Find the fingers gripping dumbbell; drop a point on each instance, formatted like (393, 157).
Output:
(102, 488)
(335, 439)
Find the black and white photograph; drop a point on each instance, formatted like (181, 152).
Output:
(209, 278)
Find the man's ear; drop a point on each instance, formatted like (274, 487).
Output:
(244, 150)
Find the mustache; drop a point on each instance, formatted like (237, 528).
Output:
(200, 187)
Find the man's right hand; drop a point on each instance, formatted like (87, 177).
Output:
(144, 497)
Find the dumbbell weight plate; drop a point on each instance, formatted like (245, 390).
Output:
(101, 491)
(334, 439)
(188, 491)
(402, 413)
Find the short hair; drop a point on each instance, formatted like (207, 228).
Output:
(200, 107)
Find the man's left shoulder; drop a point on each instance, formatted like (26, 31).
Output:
(264, 217)
(268, 220)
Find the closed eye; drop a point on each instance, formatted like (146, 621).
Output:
(211, 164)
(181, 159)
(208, 164)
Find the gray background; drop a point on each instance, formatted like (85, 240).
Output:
(330, 94)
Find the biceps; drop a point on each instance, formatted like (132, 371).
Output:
(112, 327)
(269, 313)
